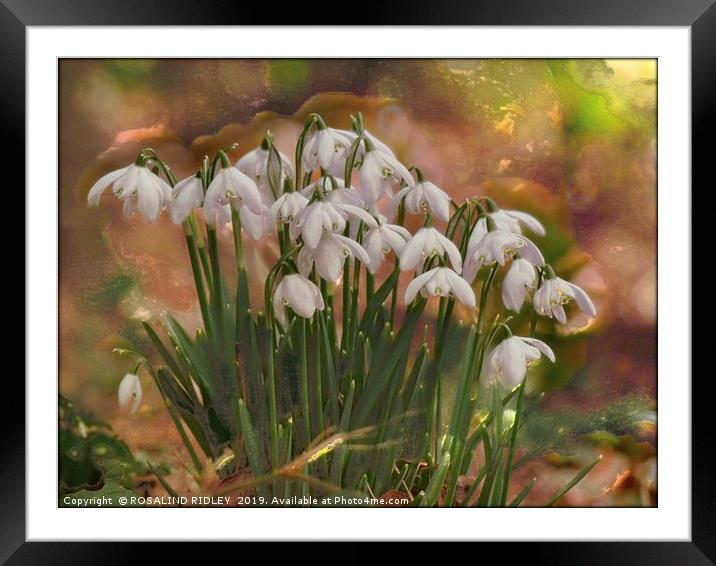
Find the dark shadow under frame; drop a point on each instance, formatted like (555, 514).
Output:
(700, 15)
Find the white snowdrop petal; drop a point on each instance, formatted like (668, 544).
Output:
(583, 300)
(102, 183)
(129, 393)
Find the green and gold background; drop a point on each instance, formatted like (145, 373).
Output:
(571, 141)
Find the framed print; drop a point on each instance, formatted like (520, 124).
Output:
(370, 283)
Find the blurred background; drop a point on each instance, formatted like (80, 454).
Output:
(571, 141)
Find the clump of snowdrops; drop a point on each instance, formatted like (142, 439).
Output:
(336, 383)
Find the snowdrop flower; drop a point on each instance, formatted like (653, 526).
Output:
(287, 207)
(498, 246)
(441, 281)
(129, 393)
(379, 145)
(321, 216)
(329, 255)
(378, 172)
(187, 195)
(300, 294)
(507, 220)
(424, 196)
(327, 148)
(380, 240)
(137, 187)
(339, 193)
(425, 243)
(554, 293)
(255, 165)
(509, 360)
(230, 186)
(520, 277)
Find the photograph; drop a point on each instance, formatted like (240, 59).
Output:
(357, 282)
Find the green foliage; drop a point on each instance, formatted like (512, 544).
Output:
(93, 462)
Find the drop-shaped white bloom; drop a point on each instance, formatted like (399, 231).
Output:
(187, 195)
(378, 173)
(129, 393)
(300, 294)
(509, 360)
(287, 207)
(440, 282)
(328, 149)
(554, 293)
(321, 216)
(138, 187)
(338, 194)
(380, 240)
(507, 220)
(424, 196)
(499, 246)
(425, 243)
(230, 186)
(329, 256)
(520, 276)
(255, 165)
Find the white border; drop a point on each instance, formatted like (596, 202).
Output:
(670, 521)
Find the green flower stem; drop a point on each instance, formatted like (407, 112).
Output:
(238, 244)
(513, 440)
(394, 294)
(354, 303)
(201, 249)
(305, 403)
(318, 392)
(350, 162)
(483, 296)
(330, 367)
(312, 119)
(345, 306)
(216, 275)
(271, 392)
(199, 283)
(444, 327)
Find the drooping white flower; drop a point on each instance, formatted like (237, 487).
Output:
(327, 148)
(321, 216)
(255, 165)
(499, 246)
(137, 187)
(339, 193)
(380, 240)
(424, 196)
(507, 220)
(441, 281)
(377, 143)
(300, 294)
(378, 173)
(509, 360)
(187, 195)
(329, 256)
(425, 243)
(520, 276)
(554, 293)
(287, 207)
(129, 393)
(230, 186)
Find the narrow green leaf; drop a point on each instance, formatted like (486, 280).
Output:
(520, 497)
(574, 481)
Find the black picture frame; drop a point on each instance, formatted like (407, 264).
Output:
(699, 15)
